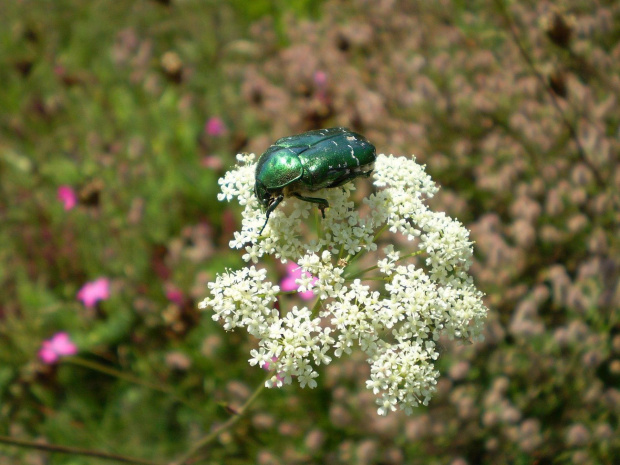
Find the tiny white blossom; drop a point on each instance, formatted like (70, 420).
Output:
(394, 312)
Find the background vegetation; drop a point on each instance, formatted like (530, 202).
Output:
(139, 107)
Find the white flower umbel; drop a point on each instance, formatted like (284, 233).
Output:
(394, 311)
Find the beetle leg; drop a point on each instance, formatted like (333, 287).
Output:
(322, 203)
(272, 206)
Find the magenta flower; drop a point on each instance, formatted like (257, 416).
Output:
(294, 272)
(266, 368)
(94, 291)
(174, 295)
(215, 126)
(57, 346)
(67, 196)
(320, 78)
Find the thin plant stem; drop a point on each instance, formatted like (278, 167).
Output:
(512, 28)
(374, 267)
(126, 377)
(381, 231)
(372, 278)
(282, 293)
(360, 273)
(55, 448)
(341, 252)
(317, 304)
(351, 259)
(210, 437)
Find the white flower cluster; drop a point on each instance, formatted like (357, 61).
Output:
(394, 311)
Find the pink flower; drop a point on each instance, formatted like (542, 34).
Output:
(67, 196)
(293, 272)
(212, 162)
(55, 347)
(320, 78)
(266, 368)
(215, 126)
(94, 291)
(320, 81)
(174, 295)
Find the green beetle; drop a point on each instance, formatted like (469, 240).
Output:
(311, 161)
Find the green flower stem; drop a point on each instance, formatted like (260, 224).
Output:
(350, 259)
(282, 293)
(127, 377)
(341, 252)
(380, 232)
(73, 451)
(409, 255)
(186, 458)
(374, 267)
(316, 306)
(374, 278)
(360, 273)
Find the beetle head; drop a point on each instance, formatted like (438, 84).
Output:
(262, 194)
(268, 200)
(276, 169)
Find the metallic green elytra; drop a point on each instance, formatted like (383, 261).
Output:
(311, 161)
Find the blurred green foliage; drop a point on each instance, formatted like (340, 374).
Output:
(88, 100)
